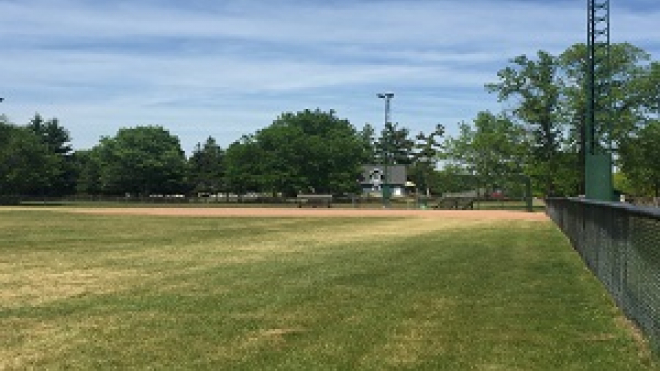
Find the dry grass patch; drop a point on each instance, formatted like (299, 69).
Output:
(365, 235)
(40, 285)
(281, 240)
(34, 343)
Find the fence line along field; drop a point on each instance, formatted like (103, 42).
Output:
(81, 290)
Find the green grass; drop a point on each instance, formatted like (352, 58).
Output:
(83, 292)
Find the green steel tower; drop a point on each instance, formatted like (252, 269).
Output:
(596, 147)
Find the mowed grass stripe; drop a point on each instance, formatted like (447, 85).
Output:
(112, 292)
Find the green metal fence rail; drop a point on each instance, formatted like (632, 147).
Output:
(620, 244)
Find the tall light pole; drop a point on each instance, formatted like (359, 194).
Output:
(387, 97)
(386, 154)
(596, 147)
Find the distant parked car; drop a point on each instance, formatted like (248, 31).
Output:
(497, 194)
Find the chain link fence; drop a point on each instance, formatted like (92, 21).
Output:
(620, 244)
(256, 200)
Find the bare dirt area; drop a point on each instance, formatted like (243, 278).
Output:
(320, 212)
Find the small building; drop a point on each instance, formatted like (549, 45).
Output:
(375, 177)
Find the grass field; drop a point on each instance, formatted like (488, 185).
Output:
(95, 292)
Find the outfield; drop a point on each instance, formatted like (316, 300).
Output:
(298, 290)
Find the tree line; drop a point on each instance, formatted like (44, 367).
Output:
(311, 151)
(537, 135)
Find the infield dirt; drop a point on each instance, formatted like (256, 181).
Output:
(319, 212)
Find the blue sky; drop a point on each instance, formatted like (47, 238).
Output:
(227, 68)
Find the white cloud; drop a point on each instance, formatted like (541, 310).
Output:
(223, 68)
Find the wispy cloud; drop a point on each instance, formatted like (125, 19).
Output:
(204, 67)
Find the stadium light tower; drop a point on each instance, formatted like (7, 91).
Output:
(386, 154)
(596, 140)
(387, 97)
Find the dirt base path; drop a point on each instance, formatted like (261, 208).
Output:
(320, 212)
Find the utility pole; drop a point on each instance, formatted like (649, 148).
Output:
(386, 153)
(597, 154)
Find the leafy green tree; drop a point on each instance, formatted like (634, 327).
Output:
(493, 147)
(639, 159)
(535, 86)
(368, 137)
(54, 136)
(627, 186)
(143, 160)
(426, 149)
(284, 151)
(88, 167)
(394, 146)
(62, 175)
(310, 151)
(452, 178)
(648, 86)
(427, 146)
(25, 162)
(626, 98)
(243, 166)
(206, 166)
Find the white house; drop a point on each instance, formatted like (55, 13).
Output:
(375, 177)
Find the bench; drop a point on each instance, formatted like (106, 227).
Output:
(456, 203)
(314, 200)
